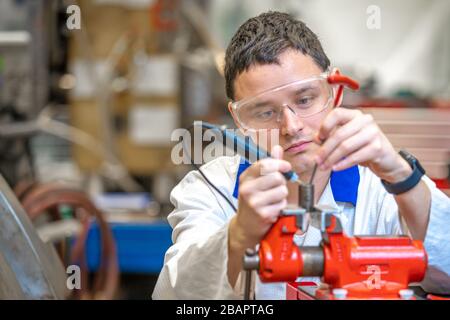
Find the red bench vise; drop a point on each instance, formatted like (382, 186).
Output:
(360, 267)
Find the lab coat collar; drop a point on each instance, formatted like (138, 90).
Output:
(344, 184)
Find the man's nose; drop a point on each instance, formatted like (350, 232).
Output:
(290, 123)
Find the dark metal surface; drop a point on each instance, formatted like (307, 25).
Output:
(251, 260)
(35, 265)
(306, 196)
(9, 286)
(313, 261)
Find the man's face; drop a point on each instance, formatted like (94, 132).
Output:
(296, 134)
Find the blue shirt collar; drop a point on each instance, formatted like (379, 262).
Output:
(344, 184)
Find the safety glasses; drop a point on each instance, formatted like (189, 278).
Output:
(304, 98)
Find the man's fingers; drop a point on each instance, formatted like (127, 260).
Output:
(277, 152)
(266, 182)
(270, 213)
(349, 146)
(360, 156)
(269, 197)
(267, 166)
(334, 119)
(341, 134)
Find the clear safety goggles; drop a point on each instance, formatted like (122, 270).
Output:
(304, 98)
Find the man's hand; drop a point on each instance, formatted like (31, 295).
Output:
(351, 138)
(262, 195)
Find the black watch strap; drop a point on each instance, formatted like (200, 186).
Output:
(411, 181)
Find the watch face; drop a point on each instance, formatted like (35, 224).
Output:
(419, 166)
(406, 155)
(413, 162)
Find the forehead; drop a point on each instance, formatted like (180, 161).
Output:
(293, 65)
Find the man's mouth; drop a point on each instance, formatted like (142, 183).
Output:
(298, 147)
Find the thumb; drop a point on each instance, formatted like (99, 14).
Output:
(277, 152)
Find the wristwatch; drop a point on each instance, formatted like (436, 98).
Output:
(411, 181)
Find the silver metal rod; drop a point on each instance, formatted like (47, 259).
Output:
(313, 174)
(248, 283)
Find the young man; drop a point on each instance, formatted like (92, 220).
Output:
(371, 186)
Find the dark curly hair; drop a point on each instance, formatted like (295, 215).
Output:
(260, 40)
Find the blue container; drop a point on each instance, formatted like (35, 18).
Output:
(140, 246)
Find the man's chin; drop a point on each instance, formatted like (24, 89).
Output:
(301, 162)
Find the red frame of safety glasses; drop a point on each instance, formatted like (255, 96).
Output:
(342, 81)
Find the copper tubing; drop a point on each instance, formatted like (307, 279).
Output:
(43, 198)
(22, 188)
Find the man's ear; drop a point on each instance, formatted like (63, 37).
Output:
(336, 88)
(230, 108)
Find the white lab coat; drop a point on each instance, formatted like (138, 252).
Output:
(195, 266)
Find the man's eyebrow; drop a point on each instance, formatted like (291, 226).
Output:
(301, 90)
(295, 92)
(261, 104)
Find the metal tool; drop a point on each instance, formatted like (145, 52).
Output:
(244, 146)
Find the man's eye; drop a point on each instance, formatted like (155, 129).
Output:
(305, 102)
(265, 115)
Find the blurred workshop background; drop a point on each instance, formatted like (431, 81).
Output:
(90, 95)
